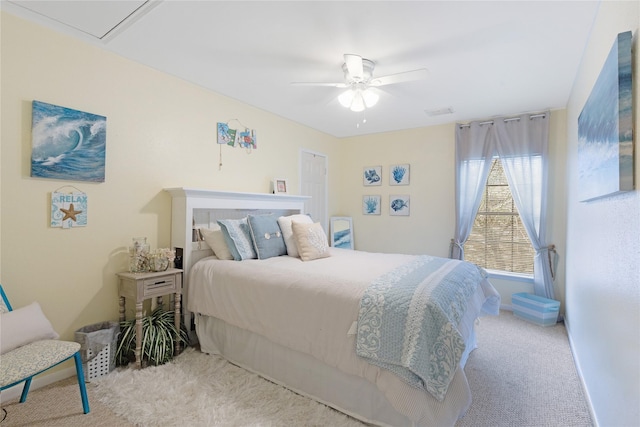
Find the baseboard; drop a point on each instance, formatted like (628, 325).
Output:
(37, 382)
(579, 370)
(507, 307)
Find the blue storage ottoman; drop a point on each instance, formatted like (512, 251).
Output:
(539, 310)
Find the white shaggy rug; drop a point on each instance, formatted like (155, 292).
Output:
(210, 392)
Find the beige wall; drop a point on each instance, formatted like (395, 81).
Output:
(161, 132)
(603, 243)
(430, 226)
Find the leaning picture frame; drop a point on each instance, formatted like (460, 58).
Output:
(342, 232)
(280, 186)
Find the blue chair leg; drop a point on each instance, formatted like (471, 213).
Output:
(83, 387)
(25, 389)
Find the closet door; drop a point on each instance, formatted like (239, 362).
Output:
(313, 182)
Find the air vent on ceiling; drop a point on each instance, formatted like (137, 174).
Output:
(439, 112)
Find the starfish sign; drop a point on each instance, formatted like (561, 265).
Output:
(70, 213)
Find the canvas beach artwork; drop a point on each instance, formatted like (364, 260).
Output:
(67, 144)
(605, 128)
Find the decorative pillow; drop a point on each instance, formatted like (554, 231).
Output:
(267, 236)
(214, 237)
(238, 237)
(23, 326)
(287, 232)
(311, 240)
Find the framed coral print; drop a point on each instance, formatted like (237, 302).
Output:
(372, 175)
(399, 205)
(399, 174)
(371, 205)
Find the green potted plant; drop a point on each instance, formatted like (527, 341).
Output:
(158, 338)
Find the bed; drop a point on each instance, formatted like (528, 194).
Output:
(310, 325)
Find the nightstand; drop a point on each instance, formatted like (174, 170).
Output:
(143, 286)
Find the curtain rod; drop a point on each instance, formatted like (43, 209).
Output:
(490, 122)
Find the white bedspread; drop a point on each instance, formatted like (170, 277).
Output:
(311, 306)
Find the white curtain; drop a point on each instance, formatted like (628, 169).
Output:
(522, 144)
(474, 153)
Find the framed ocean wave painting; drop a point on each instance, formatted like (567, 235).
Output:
(67, 144)
(605, 128)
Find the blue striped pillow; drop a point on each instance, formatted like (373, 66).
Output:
(238, 237)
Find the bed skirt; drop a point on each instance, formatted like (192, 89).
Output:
(310, 377)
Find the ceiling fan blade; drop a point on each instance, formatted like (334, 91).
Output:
(354, 65)
(406, 76)
(319, 84)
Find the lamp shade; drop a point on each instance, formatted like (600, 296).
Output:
(346, 98)
(357, 99)
(358, 102)
(370, 98)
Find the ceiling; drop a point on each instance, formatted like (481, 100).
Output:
(484, 58)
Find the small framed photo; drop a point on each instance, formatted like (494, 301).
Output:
(371, 205)
(280, 186)
(372, 175)
(399, 174)
(399, 205)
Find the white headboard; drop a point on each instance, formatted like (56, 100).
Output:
(193, 208)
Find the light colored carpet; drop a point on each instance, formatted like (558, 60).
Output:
(521, 375)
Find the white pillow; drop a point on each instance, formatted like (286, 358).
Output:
(311, 240)
(287, 232)
(23, 326)
(215, 239)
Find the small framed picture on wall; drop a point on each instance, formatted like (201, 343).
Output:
(372, 175)
(280, 186)
(371, 205)
(399, 174)
(399, 205)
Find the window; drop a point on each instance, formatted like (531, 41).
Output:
(498, 239)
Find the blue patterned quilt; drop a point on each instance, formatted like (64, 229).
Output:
(407, 320)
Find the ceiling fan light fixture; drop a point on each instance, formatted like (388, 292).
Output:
(358, 102)
(346, 98)
(370, 98)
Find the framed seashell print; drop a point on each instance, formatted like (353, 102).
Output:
(399, 174)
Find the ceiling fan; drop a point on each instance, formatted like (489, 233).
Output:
(358, 74)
